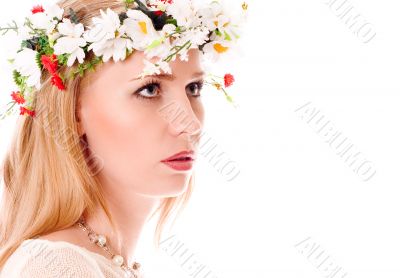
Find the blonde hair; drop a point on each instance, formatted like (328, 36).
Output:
(48, 176)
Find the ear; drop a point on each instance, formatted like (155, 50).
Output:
(81, 131)
(79, 124)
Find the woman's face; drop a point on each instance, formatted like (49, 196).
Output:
(133, 124)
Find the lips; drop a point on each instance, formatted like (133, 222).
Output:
(181, 156)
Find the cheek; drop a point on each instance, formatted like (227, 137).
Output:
(125, 136)
(199, 111)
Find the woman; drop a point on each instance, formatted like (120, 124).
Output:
(100, 152)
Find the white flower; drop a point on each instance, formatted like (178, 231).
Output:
(25, 64)
(216, 16)
(214, 49)
(54, 11)
(161, 46)
(53, 36)
(46, 20)
(42, 21)
(184, 12)
(103, 27)
(115, 48)
(164, 66)
(71, 42)
(183, 56)
(222, 22)
(140, 29)
(197, 36)
(190, 39)
(107, 33)
(151, 68)
(210, 14)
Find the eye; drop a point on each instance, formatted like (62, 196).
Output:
(195, 88)
(149, 91)
(152, 90)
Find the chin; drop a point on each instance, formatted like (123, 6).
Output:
(170, 187)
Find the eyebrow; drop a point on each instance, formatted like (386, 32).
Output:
(168, 76)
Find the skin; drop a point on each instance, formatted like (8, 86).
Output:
(132, 136)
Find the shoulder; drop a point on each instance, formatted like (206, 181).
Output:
(43, 258)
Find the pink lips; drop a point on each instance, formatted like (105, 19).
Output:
(181, 161)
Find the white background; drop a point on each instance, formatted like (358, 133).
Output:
(292, 185)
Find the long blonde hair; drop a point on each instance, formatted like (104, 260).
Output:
(48, 176)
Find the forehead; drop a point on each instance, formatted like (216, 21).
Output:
(133, 65)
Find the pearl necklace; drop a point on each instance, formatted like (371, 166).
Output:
(101, 241)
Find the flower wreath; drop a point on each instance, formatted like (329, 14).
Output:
(52, 38)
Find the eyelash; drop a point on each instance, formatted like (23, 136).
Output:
(157, 83)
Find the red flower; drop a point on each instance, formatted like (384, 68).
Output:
(229, 79)
(37, 9)
(18, 97)
(50, 63)
(158, 13)
(57, 81)
(24, 110)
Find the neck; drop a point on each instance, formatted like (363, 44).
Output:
(130, 212)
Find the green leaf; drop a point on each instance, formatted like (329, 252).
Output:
(88, 65)
(9, 27)
(19, 80)
(227, 37)
(39, 60)
(16, 77)
(129, 51)
(235, 34)
(63, 59)
(81, 69)
(172, 21)
(128, 3)
(44, 46)
(155, 43)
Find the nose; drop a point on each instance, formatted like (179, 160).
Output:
(181, 117)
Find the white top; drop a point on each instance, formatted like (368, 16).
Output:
(41, 258)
